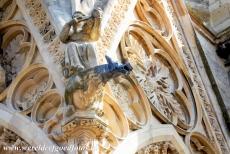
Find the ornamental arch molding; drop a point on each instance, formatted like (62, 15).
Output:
(16, 44)
(24, 128)
(198, 143)
(150, 135)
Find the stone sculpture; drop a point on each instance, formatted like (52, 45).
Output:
(84, 79)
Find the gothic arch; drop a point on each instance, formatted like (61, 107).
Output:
(24, 128)
(150, 135)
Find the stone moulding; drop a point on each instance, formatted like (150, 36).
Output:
(47, 106)
(48, 36)
(115, 117)
(150, 135)
(11, 29)
(200, 143)
(10, 8)
(209, 115)
(28, 87)
(24, 128)
(118, 14)
(132, 100)
(144, 57)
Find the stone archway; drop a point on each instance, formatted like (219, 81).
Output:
(150, 135)
(25, 129)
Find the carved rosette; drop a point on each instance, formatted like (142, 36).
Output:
(28, 87)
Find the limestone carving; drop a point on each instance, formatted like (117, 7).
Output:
(198, 143)
(29, 86)
(17, 49)
(103, 131)
(158, 148)
(80, 52)
(40, 19)
(11, 140)
(154, 13)
(89, 117)
(213, 122)
(159, 76)
(8, 9)
(90, 28)
(131, 99)
(47, 107)
(118, 14)
(85, 84)
(83, 80)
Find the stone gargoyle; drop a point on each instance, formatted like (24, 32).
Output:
(84, 89)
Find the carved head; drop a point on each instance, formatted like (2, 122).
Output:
(97, 13)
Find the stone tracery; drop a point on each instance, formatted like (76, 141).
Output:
(159, 73)
(17, 49)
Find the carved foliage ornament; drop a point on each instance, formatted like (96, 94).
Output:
(40, 20)
(13, 141)
(164, 147)
(17, 50)
(156, 71)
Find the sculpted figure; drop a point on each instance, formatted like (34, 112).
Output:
(84, 79)
(84, 28)
(79, 35)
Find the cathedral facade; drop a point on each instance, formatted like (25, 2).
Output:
(113, 76)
